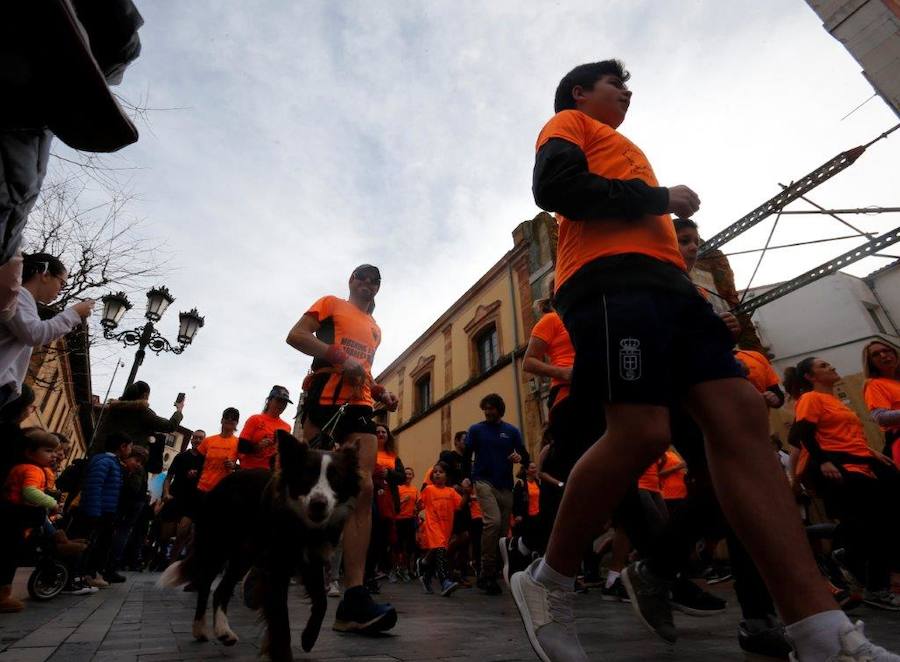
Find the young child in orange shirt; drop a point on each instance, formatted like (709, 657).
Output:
(439, 503)
(25, 506)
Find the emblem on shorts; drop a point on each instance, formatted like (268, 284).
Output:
(630, 359)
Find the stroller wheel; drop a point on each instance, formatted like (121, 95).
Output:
(48, 579)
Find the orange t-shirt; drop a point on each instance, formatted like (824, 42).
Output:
(649, 480)
(439, 504)
(534, 498)
(837, 429)
(475, 507)
(257, 428)
(20, 477)
(560, 352)
(882, 393)
(388, 461)
(611, 155)
(217, 450)
(408, 497)
(759, 371)
(51, 478)
(673, 485)
(341, 323)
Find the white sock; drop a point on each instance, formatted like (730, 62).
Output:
(816, 636)
(547, 576)
(523, 550)
(611, 577)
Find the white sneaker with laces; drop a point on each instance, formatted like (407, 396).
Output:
(855, 647)
(334, 589)
(548, 617)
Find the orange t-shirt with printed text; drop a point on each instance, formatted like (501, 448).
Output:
(217, 450)
(439, 504)
(408, 497)
(837, 429)
(610, 155)
(649, 480)
(20, 477)
(343, 324)
(534, 498)
(760, 372)
(257, 428)
(560, 352)
(673, 485)
(882, 393)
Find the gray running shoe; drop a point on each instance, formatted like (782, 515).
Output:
(855, 647)
(650, 600)
(548, 618)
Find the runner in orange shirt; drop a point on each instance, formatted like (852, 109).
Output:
(405, 548)
(257, 447)
(220, 452)
(836, 461)
(882, 393)
(342, 337)
(644, 338)
(439, 503)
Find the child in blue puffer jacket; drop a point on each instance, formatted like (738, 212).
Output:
(96, 515)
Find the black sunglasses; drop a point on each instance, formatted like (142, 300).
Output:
(374, 280)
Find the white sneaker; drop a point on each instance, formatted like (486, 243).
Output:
(855, 647)
(334, 589)
(548, 618)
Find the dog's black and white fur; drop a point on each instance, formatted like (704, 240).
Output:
(279, 524)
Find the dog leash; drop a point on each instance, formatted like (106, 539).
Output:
(327, 430)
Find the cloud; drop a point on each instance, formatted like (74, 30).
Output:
(311, 137)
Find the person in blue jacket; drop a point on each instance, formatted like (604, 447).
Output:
(96, 515)
(497, 446)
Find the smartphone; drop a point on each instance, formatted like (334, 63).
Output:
(179, 399)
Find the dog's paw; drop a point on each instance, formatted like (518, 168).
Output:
(199, 631)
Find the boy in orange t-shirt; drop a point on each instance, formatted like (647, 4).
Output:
(646, 338)
(405, 547)
(439, 504)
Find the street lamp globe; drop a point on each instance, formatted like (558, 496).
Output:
(158, 299)
(189, 323)
(115, 306)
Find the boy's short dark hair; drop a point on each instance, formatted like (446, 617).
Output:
(495, 401)
(585, 75)
(682, 223)
(141, 453)
(36, 438)
(115, 441)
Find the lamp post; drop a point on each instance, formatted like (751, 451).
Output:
(158, 300)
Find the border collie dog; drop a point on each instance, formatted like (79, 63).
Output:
(279, 524)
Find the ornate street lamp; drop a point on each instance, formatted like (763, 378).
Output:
(158, 300)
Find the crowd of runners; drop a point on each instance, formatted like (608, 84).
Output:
(656, 459)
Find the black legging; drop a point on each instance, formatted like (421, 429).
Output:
(15, 520)
(869, 527)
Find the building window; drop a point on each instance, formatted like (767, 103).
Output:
(49, 390)
(487, 349)
(423, 393)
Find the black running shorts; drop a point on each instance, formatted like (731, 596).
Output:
(646, 346)
(357, 419)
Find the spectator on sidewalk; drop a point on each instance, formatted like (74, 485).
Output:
(43, 276)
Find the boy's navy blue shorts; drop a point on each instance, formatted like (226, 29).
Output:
(646, 346)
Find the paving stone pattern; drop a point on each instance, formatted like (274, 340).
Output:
(136, 622)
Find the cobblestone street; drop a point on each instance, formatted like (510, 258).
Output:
(137, 621)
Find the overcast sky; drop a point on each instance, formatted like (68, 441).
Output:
(311, 137)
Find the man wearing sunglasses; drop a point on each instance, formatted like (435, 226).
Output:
(342, 337)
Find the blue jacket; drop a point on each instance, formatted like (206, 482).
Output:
(492, 444)
(100, 491)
